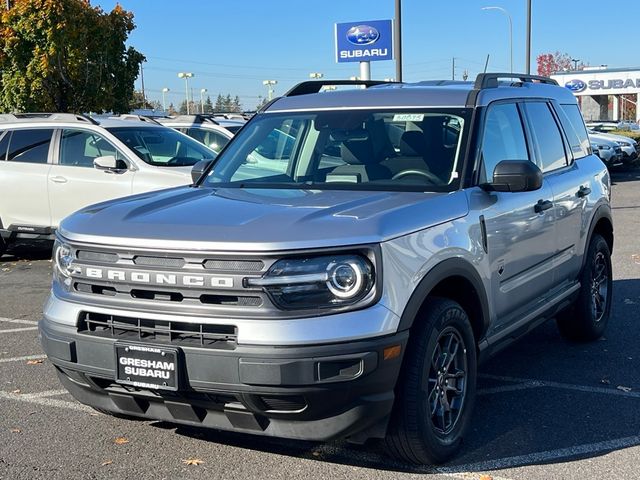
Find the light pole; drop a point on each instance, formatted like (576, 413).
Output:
(186, 76)
(510, 30)
(165, 90)
(575, 63)
(269, 84)
(202, 92)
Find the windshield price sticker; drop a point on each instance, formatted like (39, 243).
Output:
(408, 117)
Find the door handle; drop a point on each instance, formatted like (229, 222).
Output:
(58, 179)
(583, 192)
(543, 205)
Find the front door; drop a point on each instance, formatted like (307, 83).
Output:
(74, 182)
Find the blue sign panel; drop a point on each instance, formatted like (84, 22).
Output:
(364, 41)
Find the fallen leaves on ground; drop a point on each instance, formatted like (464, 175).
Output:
(192, 461)
(15, 430)
(121, 441)
(605, 381)
(486, 477)
(16, 391)
(636, 258)
(106, 462)
(623, 388)
(35, 362)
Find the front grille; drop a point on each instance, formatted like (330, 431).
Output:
(289, 403)
(158, 331)
(159, 262)
(234, 265)
(102, 257)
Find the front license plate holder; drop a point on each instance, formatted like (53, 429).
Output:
(147, 366)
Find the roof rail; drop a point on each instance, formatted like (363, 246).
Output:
(47, 117)
(314, 86)
(195, 118)
(490, 80)
(138, 118)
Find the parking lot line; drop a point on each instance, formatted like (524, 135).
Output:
(45, 401)
(13, 330)
(45, 394)
(565, 386)
(509, 388)
(22, 359)
(542, 457)
(18, 320)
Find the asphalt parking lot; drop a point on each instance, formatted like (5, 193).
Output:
(546, 408)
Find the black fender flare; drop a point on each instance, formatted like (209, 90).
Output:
(602, 211)
(451, 267)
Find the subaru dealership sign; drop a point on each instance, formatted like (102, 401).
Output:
(364, 41)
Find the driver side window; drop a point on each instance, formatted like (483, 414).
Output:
(502, 139)
(79, 148)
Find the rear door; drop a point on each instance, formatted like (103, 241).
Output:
(554, 154)
(24, 167)
(74, 182)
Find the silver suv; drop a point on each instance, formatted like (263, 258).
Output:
(342, 266)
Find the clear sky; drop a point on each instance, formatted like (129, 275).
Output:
(231, 46)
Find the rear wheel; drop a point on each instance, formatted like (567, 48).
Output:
(436, 393)
(587, 318)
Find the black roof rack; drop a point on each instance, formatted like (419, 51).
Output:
(490, 80)
(194, 118)
(314, 86)
(135, 117)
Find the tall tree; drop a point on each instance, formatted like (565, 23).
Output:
(219, 106)
(208, 105)
(236, 106)
(66, 56)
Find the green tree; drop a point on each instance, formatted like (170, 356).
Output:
(219, 106)
(236, 106)
(208, 105)
(66, 56)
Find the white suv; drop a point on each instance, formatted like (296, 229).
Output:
(54, 164)
(212, 131)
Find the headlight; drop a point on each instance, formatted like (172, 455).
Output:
(62, 259)
(623, 144)
(329, 281)
(604, 147)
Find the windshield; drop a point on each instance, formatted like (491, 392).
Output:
(355, 149)
(162, 147)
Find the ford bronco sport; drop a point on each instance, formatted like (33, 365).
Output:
(342, 266)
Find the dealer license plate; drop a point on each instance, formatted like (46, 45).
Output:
(147, 366)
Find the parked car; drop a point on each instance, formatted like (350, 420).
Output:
(628, 125)
(630, 147)
(204, 128)
(54, 164)
(609, 151)
(352, 293)
(602, 125)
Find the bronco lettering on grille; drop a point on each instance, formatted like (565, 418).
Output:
(149, 278)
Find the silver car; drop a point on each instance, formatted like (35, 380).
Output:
(343, 266)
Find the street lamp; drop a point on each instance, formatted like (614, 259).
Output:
(269, 84)
(202, 92)
(165, 90)
(510, 30)
(186, 76)
(575, 63)
(316, 75)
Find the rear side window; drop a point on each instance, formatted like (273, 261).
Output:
(30, 146)
(502, 139)
(573, 125)
(211, 139)
(546, 136)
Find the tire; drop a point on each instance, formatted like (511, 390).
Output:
(414, 434)
(586, 320)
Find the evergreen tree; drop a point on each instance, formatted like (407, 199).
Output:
(208, 106)
(219, 106)
(236, 106)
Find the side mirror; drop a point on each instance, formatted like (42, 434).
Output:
(106, 162)
(199, 168)
(515, 176)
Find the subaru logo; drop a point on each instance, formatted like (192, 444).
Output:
(363, 35)
(576, 85)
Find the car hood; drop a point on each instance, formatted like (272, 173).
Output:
(612, 137)
(604, 140)
(234, 219)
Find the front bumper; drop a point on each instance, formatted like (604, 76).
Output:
(303, 392)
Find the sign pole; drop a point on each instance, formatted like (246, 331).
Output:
(365, 70)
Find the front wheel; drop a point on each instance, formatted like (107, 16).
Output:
(587, 318)
(436, 392)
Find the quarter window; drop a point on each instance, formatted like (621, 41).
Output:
(546, 136)
(503, 139)
(30, 146)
